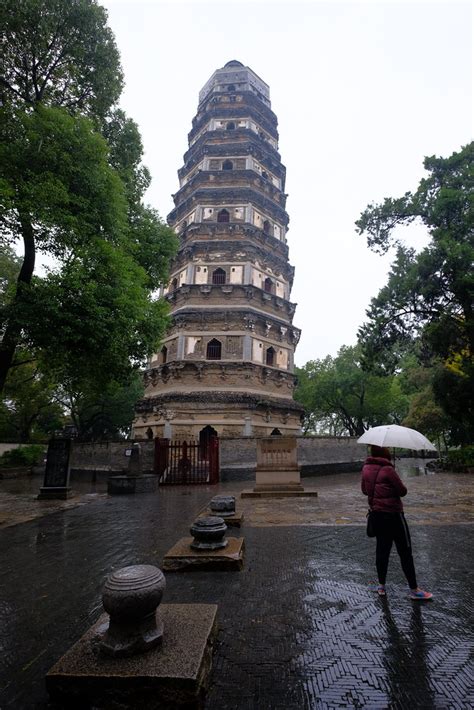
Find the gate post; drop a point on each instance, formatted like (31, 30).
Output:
(213, 460)
(161, 460)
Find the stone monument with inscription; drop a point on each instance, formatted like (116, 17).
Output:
(56, 478)
(278, 473)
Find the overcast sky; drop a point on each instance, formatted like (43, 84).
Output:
(362, 91)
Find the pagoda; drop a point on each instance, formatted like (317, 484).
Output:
(226, 364)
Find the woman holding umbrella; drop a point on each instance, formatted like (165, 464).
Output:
(381, 483)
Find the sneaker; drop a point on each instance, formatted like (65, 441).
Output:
(420, 594)
(381, 590)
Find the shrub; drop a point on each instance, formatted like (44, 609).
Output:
(459, 460)
(22, 456)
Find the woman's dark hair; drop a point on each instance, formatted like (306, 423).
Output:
(380, 452)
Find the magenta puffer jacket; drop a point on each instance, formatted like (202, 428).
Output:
(385, 497)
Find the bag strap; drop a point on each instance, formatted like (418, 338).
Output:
(375, 483)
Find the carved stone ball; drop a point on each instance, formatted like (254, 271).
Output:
(131, 596)
(133, 592)
(223, 506)
(208, 533)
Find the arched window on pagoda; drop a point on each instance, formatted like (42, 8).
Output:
(223, 216)
(268, 285)
(231, 87)
(270, 357)
(266, 227)
(214, 350)
(227, 165)
(149, 433)
(174, 284)
(230, 126)
(218, 277)
(164, 354)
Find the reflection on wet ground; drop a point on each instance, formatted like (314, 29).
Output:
(299, 627)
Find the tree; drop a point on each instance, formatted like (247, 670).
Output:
(424, 413)
(342, 398)
(59, 54)
(68, 193)
(108, 415)
(29, 410)
(430, 294)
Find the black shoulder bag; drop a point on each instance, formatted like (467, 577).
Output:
(370, 513)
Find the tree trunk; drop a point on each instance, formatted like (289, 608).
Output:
(13, 330)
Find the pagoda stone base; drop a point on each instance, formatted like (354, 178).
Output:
(231, 414)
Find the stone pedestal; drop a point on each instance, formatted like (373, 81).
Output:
(120, 485)
(182, 557)
(277, 473)
(173, 675)
(54, 493)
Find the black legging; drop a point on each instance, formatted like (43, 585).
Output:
(389, 528)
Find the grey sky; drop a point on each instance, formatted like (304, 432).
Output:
(362, 90)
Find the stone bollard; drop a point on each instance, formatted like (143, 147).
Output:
(208, 533)
(223, 506)
(131, 596)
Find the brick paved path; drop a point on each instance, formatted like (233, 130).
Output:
(299, 626)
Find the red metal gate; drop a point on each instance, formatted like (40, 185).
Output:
(182, 462)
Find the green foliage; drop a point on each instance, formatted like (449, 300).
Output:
(29, 410)
(341, 398)
(10, 265)
(459, 460)
(96, 313)
(428, 295)
(58, 53)
(424, 414)
(455, 393)
(22, 456)
(55, 176)
(76, 196)
(107, 415)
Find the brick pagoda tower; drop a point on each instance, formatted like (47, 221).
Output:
(226, 365)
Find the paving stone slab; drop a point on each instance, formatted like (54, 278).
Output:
(182, 557)
(172, 675)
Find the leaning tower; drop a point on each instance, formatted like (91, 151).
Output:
(226, 365)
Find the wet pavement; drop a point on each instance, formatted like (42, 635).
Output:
(299, 627)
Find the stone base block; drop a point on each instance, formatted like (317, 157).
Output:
(183, 557)
(122, 485)
(232, 521)
(278, 492)
(173, 675)
(54, 493)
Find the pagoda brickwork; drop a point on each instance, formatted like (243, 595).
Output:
(226, 365)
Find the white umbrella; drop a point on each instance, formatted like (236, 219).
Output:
(396, 436)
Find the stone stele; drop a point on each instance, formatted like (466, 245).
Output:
(278, 473)
(172, 675)
(182, 557)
